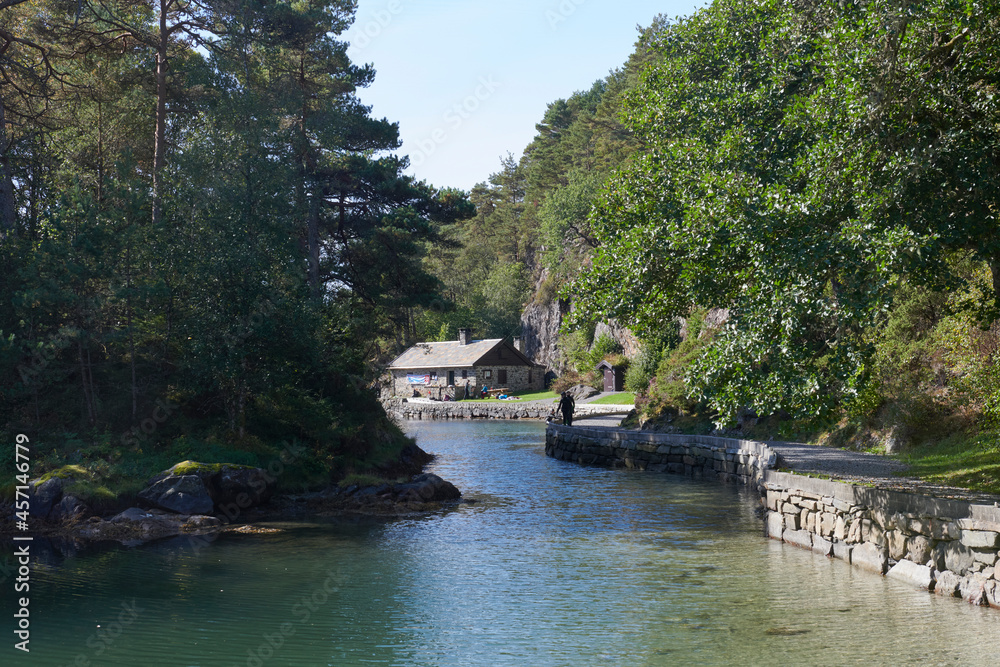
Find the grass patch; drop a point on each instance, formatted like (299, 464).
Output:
(623, 398)
(533, 396)
(960, 460)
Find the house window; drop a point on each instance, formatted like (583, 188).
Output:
(502, 376)
(529, 377)
(488, 375)
(465, 375)
(434, 377)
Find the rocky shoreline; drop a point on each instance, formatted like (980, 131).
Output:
(200, 500)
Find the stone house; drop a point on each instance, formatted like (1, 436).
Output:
(436, 370)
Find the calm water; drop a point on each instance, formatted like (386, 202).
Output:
(555, 565)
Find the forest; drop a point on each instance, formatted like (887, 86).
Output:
(208, 247)
(792, 207)
(207, 244)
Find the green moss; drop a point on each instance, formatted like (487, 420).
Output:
(196, 468)
(66, 472)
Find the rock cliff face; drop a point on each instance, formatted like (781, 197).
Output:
(540, 332)
(616, 332)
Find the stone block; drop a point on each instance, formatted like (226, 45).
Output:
(800, 538)
(828, 521)
(953, 556)
(840, 529)
(808, 504)
(944, 530)
(920, 576)
(775, 525)
(993, 593)
(870, 557)
(790, 508)
(980, 539)
(947, 583)
(822, 546)
(842, 551)
(896, 541)
(973, 589)
(854, 531)
(986, 557)
(918, 549)
(842, 505)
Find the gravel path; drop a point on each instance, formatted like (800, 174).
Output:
(839, 464)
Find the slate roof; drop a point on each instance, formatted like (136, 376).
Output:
(449, 354)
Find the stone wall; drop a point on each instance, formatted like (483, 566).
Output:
(949, 547)
(423, 409)
(702, 457)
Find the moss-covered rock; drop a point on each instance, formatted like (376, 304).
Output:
(222, 487)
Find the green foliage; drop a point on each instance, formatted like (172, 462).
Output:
(284, 256)
(798, 163)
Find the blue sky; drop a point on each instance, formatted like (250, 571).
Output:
(468, 80)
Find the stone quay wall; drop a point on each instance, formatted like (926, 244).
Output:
(426, 409)
(948, 547)
(699, 456)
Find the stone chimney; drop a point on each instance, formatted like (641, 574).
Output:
(517, 344)
(464, 336)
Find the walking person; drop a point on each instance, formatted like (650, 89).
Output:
(566, 407)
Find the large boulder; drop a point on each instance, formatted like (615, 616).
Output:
(247, 487)
(581, 391)
(184, 494)
(208, 487)
(427, 488)
(69, 509)
(43, 496)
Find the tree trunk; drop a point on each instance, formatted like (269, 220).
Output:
(8, 222)
(87, 399)
(160, 140)
(313, 242)
(995, 273)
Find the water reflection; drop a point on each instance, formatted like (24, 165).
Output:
(556, 564)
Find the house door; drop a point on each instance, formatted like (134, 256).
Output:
(609, 379)
(451, 378)
(502, 377)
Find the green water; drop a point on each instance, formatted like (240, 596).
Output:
(556, 564)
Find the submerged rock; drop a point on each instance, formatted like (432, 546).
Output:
(424, 492)
(135, 525)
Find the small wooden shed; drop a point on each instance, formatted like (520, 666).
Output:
(614, 376)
